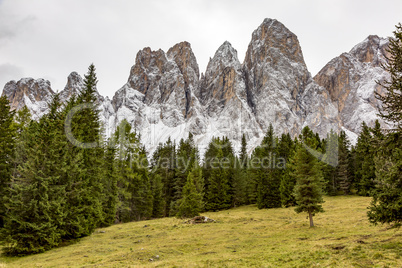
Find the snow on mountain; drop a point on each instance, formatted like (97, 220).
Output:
(165, 96)
(280, 89)
(35, 94)
(351, 82)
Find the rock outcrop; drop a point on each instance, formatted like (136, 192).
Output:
(222, 93)
(165, 96)
(279, 87)
(35, 94)
(351, 82)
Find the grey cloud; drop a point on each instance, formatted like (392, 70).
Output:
(11, 26)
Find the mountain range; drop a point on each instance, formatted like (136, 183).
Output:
(166, 96)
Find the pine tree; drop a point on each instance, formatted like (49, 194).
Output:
(386, 205)
(163, 163)
(307, 171)
(218, 170)
(22, 119)
(191, 203)
(240, 184)
(330, 163)
(143, 198)
(391, 110)
(186, 156)
(364, 162)
(268, 176)
(133, 183)
(286, 149)
(7, 144)
(243, 152)
(158, 200)
(85, 155)
(36, 216)
(342, 170)
(110, 189)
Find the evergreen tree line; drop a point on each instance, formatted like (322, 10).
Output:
(60, 178)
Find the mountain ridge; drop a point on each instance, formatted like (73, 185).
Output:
(165, 95)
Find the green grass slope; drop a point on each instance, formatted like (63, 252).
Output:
(241, 237)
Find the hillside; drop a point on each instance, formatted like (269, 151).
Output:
(243, 236)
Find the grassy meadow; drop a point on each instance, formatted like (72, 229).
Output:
(240, 237)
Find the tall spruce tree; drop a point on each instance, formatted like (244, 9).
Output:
(286, 150)
(342, 170)
(391, 110)
(218, 172)
(268, 176)
(133, 183)
(307, 171)
(386, 206)
(158, 205)
(364, 162)
(330, 163)
(36, 215)
(240, 184)
(186, 156)
(191, 203)
(7, 144)
(243, 157)
(110, 189)
(85, 156)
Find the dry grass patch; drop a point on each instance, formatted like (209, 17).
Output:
(243, 236)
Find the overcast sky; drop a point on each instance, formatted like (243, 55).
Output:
(50, 39)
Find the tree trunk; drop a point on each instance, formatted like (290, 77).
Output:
(311, 219)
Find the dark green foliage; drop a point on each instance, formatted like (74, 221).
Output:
(286, 189)
(267, 172)
(163, 163)
(84, 172)
(243, 157)
(191, 203)
(158, 205)
(330, 162)
(386, 207)
(36, 216)
(286, 149)
(133, 183)
(186, 157)
(240, 184)
(110, 189)
(364, 162)
(218, 171)
(391, 110)
(344, 158)
(241, 177)
(7, 143)
(307, 171)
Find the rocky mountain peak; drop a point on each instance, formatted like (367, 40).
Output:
(225, 56)
(185, 59)
(73, 87)
(148, 67)
(31, 93)
(275, 74)
(166, 97)
(270, 39)
(350, 80)
(371, 50)
(221, 78)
